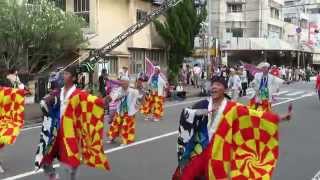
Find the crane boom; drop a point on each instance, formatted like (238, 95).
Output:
(94, 56)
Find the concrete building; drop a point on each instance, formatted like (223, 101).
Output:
(305, 14)
(108, 18)
(253, 31)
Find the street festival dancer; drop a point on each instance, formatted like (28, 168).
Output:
(265, 85)
(222, 139)
(124, 121)
(11, 115)
(72, 130)
(154, 102)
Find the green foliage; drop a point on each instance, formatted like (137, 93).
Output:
(182, 24)
(33, 35)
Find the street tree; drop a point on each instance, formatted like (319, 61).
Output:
(182, 24)
(32, 35)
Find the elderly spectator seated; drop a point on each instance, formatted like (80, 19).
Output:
(179, 93)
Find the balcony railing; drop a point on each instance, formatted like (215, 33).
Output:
(235, 16)
(236, 1)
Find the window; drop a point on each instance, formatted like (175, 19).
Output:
(141, 14)
(138, 56)
(137, 61)
(289, 3)
(275, 13)
(113, 66)
(289, 20)
(234, 7)
(82, 9)
(314, 11)
(236, 32)
(274, 31)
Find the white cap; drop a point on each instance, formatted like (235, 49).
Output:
(157, 67)
(264, 64)
(232, 70)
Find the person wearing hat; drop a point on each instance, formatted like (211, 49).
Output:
(234, 84)
(71, 130)
(264, 85)
(124, 120)
(222, 139)
(154, 102)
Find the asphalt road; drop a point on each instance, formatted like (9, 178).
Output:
(153, 156)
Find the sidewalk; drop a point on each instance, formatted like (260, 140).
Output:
(32, 113)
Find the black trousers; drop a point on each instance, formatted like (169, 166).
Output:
(243, 91)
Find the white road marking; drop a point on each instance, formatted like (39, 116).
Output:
(280, 93)
(295, 93)
(317, 176)
(31, 173)
(281, 98)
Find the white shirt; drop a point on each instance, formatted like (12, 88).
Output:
(64, 99)
(197, 70)
(179, 88)
(132, 98)
(234, 82)
(124, 73)
(273, 84)
(243, 77)
(214, 121)
(161, 85)
(15, 81)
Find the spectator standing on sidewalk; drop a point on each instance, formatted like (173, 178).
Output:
(224, 73)
(14, 79)
(290, 74)
(244, 81)
(287, 73)
(188, 75)
(102, 83)
(283, 72)
(296, 74)
(234, 84)
(308, 73)
(196, 75)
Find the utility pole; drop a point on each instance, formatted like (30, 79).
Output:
(210, 43)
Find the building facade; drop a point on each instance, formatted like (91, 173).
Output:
(108, 18)
(258, 30)
(305, 14)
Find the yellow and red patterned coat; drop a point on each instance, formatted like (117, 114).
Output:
(11, 114)
(79, 134)
(244, 146)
